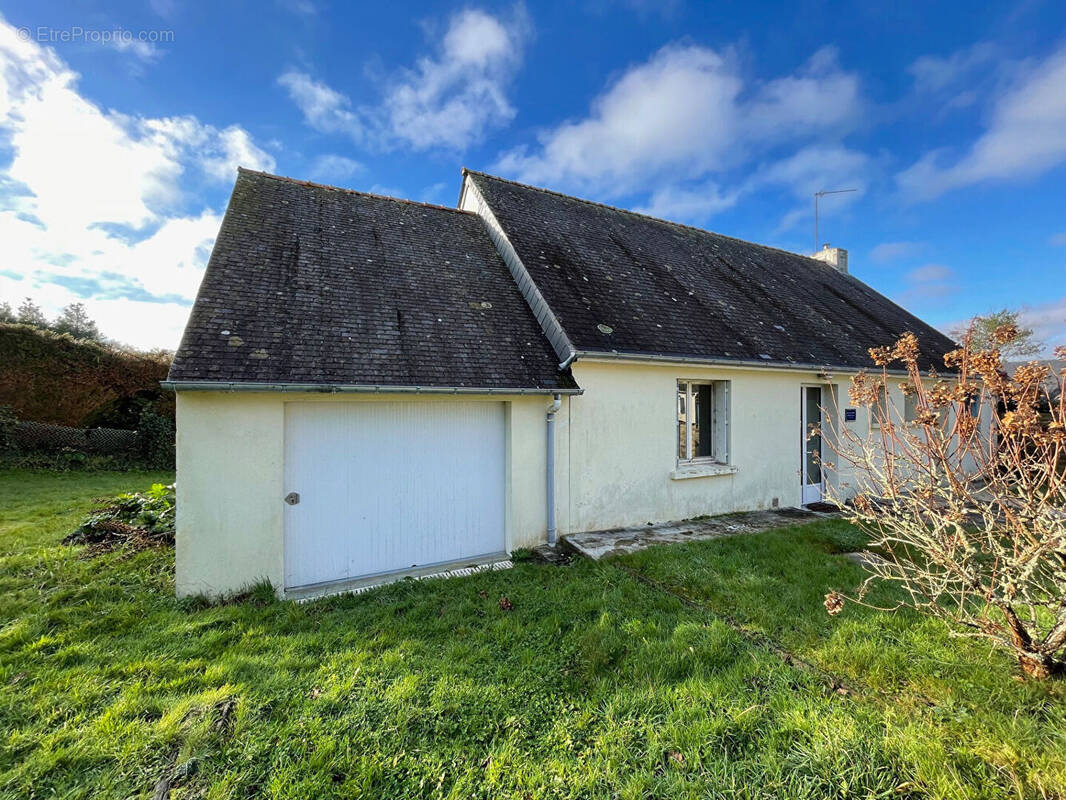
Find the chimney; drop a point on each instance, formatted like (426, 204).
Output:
(836, 257)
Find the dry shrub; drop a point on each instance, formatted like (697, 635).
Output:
(967, 500)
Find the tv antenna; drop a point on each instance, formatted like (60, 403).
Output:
(817, 196)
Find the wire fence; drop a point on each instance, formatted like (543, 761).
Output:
(42, 437)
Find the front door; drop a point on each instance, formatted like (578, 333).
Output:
(811, 418)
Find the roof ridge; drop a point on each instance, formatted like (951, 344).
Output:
(633, 213)
(314, 185)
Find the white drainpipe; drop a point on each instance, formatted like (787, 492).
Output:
(550, 471)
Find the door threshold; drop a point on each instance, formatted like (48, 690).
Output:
(445, 569)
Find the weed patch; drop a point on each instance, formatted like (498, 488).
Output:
(132, 520)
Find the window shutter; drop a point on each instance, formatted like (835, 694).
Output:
(721, 395)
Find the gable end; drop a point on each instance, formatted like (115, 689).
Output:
(472, 200)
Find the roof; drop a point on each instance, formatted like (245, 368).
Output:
(309, 284)
(620, 282)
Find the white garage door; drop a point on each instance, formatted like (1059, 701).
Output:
(390, 486)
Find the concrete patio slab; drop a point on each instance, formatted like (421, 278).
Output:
(619, 541)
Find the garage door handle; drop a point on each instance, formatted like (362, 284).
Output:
(292, 498)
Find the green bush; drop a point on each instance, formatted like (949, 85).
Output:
(51, 377)
(125, 412)
(67, 460)
(155, 440)
(8, 422)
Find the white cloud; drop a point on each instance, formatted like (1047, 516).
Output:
(804, 172)
(1024, 137)
(933, 74)
(145, 51)
(895, 251)
(1058, 240)
(929, 282)
(324, 109)
(81, 164)
(813, 169)
(446, 100)
(686, 112)
(220, 152)
(673, 109)
(930, 273)
(691, 203)
(332, 167)
(143, 324)
(91, 206)
(451, 99)
(1048, 321)
(819, 167)
(820, 97)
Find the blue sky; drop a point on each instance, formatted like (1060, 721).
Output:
(121, 126)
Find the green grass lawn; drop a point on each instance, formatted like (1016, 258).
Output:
(597, 684)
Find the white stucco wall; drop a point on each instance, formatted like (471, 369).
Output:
(624, 442)
(615, 466)
(230, 465)
(230, 475)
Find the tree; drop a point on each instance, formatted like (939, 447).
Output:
(6, 314)
(30, 313)
(972, 525)
(75, 320)
(982, 329)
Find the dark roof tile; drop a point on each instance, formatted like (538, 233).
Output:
(624, 282)
(312, 284)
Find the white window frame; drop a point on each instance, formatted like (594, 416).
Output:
(718, 429)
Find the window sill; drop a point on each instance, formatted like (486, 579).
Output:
(686, 471)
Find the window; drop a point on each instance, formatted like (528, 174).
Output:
(703, 421)
(910, 407)
(881, 411)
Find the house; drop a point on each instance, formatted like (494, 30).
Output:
(370, 387)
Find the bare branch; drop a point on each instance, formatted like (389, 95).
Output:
(964, 496)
